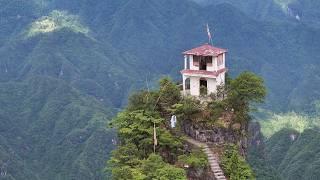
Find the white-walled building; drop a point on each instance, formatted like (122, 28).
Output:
(204, 69)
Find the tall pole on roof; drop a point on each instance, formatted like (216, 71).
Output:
(209, 35)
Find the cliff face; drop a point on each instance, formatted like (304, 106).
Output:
(216, 135)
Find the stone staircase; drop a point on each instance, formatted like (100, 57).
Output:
(214, 163)
(212, 158)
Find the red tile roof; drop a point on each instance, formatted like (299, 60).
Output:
(205, 50)
(202, 72)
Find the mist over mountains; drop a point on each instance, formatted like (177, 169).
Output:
(67, 66)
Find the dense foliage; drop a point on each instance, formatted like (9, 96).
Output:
(149, 109)
(244, 90)
(235, 166)
(50, 130)
(232, 102)
(289, 155)
(102, 50)
(196, 159)
(136, 158)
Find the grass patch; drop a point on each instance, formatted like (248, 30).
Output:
(57, 20)
(273, 123)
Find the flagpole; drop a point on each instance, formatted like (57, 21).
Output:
(154, 137)
(209, 35)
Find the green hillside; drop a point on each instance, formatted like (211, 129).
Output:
(66, 67)
(295, 11)
(49, 130)
(290, 155)
(282, 52)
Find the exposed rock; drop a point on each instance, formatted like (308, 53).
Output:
(200, 174)
(236, 126)
(216, 135)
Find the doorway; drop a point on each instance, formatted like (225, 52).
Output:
(203, 86)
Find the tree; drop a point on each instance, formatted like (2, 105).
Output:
(235, 166)
(156, 169)
(248, 87)
(145, 100)
(169, 94)
(195, 159)
(244, 90)
(125, 155)
(123, 161)
(136, 127)
(187, 108)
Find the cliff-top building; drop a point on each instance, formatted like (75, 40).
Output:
(204, 70)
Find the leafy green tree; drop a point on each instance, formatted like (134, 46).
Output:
(169, 94)
(123, 161)
(247, 88)
(157, 169)
(196, 159)
(160, 100)
(137, 127)
(145, 100)
(235, 166)
(187, 108)
(169, 172)
(244, 90)
(125, 155)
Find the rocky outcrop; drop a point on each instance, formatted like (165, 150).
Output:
(216, 135)
(255, 135)
(200, 174)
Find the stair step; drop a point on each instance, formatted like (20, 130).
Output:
(220, 177)
(216, 168)
(219, 174)
(213, 159)
(217, 171)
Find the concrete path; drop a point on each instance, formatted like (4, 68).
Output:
(212, 158)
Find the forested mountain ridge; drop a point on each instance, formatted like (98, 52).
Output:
(249, 42)
(155, 35)
(299, 11)
(288, 154)
(88, 55)
(49, 130)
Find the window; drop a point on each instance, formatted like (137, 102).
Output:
(187, 84)
(220, 60)
(188, 62)
(196, 60)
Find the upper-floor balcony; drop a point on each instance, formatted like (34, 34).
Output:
(203, 73)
